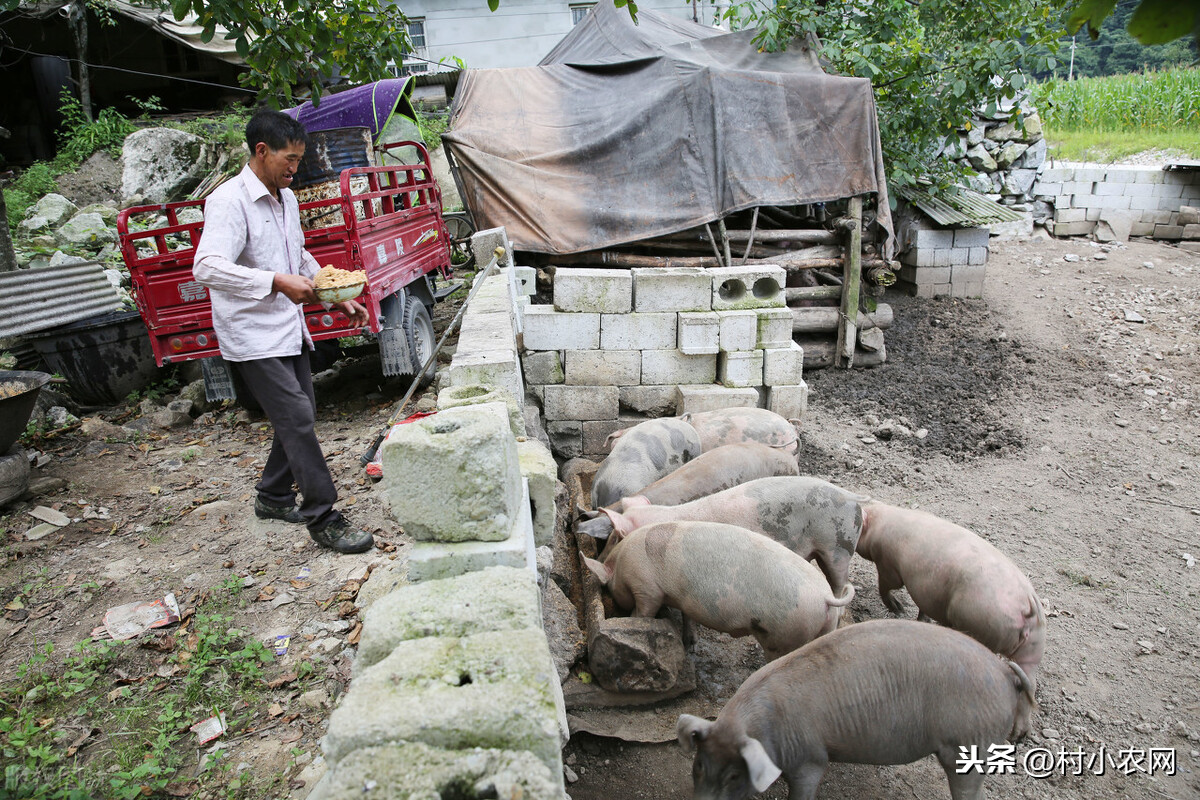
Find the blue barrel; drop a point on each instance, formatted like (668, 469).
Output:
(329, 152)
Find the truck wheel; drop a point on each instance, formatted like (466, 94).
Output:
(419, 328)
(460, 230)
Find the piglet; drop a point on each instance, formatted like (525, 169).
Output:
(810, 517)
(743, 424)
(879, 692)
(955, 578)
(725, 577)
(641, 455)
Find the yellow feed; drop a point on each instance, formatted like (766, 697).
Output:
(329, 277)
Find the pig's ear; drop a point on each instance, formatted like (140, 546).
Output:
(621, 524)
(602, 573)
(612, 437)
(763, 771)
(691, 731)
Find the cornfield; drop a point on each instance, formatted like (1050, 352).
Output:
(1151, 101)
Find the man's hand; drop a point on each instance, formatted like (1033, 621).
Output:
(296, 288)
(356, 313)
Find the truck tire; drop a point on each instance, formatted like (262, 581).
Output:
(418, 327)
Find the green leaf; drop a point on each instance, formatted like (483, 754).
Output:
(179, 8)
(493, 5)
(1093, 12)
(1162, 21)
(242, 45)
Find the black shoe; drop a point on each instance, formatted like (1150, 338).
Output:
(289, 514)
(341, 536)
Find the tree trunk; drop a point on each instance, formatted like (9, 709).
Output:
(8, 259)
(77, 18)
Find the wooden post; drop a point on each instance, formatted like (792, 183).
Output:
(851, 269)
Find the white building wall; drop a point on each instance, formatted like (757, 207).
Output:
(518, 34)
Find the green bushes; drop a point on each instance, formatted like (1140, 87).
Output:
(26, 190)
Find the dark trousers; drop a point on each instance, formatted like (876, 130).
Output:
(283, 387)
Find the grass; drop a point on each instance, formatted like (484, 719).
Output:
(1110, 118)
(111, 719)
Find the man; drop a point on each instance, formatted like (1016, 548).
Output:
(252, 259)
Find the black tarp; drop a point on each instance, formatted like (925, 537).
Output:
(625, 132)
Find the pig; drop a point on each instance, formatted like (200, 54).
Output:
(810, 517)
(733, 425)
(708, 473)
(641, 455)
(725, 577)
(955, 578)
(879, 692)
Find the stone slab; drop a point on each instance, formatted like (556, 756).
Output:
(696, 399)
(603, 367)
(789, 402)
(699, 332)
(541, 470)
(548, 329)
(672, 289)
(784, 366)
(739, 329)
(638, 331)
(653, 401)
(662, 367)
(580, 402)
(742, 368)
(544, 367)
(479, 394)
(603, 291)
(774, 327)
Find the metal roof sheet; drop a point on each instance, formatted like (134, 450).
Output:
(960, 208)
(33, 300)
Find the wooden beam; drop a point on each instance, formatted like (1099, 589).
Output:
(851, 272)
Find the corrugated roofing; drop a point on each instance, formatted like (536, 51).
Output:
(961, 208)
(33, 300)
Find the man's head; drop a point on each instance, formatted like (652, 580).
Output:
(277, 144)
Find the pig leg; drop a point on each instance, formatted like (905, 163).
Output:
(688, 632)
(803, 781)
(890, 582)
(836, 567)
(647, 600)
(963, 786)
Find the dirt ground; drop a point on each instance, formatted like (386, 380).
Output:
(1041, 417)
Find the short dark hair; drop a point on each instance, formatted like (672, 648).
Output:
(273, 128)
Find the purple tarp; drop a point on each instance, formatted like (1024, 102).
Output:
(369, 106)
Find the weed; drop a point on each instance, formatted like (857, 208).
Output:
(79, 139)
(432, 126)
(189, 455)
(1082, 578)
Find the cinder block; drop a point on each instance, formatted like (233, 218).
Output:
(1044, 188)
(1149, 203)
(484, 244)
(1094, 214)
(596, 433)
(1142, 229)
(653, 401)
(1068, 214)
(783, 366)
(500, 369)
(977, 255)
(1168, 231)
(543, 368)
(774, 327)
(1089, 174)
(604, 367)
(539, 468)
(1079, 187)
(1071, 228)
(580, 402)
(927, 238)
(661, 367)
(1189, 215)
(1157, 217)
(1140, 189)
(478, 394)
(428, 561)
(418, 770)
(1109, 188)
(1191, 231)
(672, 289)
(492, 296)
(1059, 174)
(566, 437)
(789, 402)
(491, 599)
(1171, 191)
(966, 289)
(485, 332)
(487, 690)
(453, 480)
(1114, 201)
(1191, 247)
(970, 237)
(967, 272)
(547, 329)
(708, 397)
(924, 290)
(699, 332)
(1088, 201)
(927, 258)
(959, 255)
(526, 280)
(759, 286)
(638, 331)
(924, 275)
(602, 291)
(739, 329)
(1116, 176)
(740, 368)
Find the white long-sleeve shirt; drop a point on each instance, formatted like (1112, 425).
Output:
(248, 237)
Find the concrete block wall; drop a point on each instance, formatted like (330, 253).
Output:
(937, 261)
(454, 684)
(617, 344)
(1115, 202)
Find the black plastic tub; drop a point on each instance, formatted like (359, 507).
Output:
(103, 358)
(18, 394)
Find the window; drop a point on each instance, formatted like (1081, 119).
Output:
(416, 66)
(579, 11)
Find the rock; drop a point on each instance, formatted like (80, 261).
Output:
(59, 417)
(1051, 734)
(41, 487)
(314, 699)
(1071, 257)
(181, 405)
(569, 774)
(14, 475)
(561, 621)
(85, 231)
(1018, 182)
(194, 393)
(193, 581)
(106, 211)
(53, 516)
(96, 428)
(1032, 158)
(980, 159)
(49, 212)
(1008, 153)
(161, 165)
(60, 259)
(636, 654)
(975, 135)
(40, 531)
